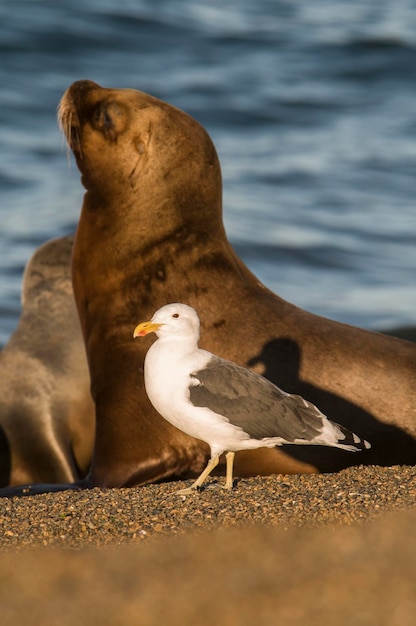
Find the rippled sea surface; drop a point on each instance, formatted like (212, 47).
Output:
(311, 106)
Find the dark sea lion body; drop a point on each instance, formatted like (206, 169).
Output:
(151, 233)
(46, 410)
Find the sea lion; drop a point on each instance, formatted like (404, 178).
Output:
(46, 412)
(151, 232)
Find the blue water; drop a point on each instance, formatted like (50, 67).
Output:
(311, 105)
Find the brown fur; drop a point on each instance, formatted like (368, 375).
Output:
(151, 233)
(46, 411)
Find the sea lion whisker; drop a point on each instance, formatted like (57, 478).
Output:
(75, 142)
(67, 149)
(70, 130)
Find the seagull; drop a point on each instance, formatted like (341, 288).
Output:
(226, 405)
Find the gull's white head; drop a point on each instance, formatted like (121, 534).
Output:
(172, 320)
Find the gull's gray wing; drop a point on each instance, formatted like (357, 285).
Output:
(253, 403)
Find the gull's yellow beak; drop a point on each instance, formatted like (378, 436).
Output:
(145, 328)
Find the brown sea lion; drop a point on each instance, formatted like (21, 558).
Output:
(151, 232)
(46, 411)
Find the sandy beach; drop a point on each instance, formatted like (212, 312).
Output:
(280, 549)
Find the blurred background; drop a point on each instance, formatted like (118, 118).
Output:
(311, 106)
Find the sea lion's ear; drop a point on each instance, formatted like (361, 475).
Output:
(139, 145)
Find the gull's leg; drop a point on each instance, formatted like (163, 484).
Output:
(212, 463)
(229, 475)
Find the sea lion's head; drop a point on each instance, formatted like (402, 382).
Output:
(48, 272)
(127, 143)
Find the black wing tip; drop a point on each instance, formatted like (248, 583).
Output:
(352, 439)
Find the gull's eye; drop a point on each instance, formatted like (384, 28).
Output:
(175, 315)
